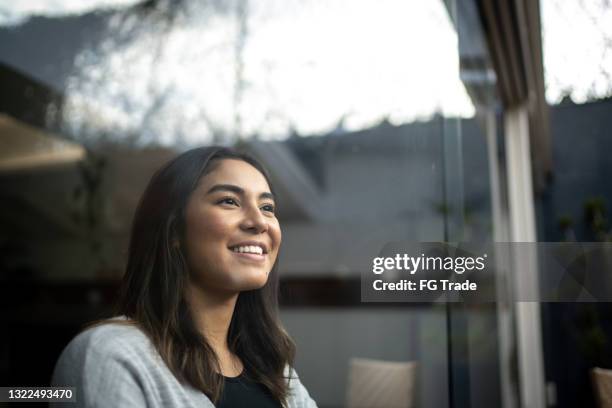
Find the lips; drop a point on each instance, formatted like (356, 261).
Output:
(250, 251)
(255, 258)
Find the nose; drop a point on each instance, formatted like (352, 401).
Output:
(253, 220)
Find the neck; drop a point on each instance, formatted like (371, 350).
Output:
(212, 313)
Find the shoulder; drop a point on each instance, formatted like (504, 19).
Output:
(112, 345)
(107, 362)
(115, 361)
(114, 337)
(110, 334)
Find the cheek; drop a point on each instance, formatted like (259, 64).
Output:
(276, 235)
(217, 228)
(206, 230)
(279, 234)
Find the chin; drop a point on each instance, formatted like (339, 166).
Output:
(253, 284)
(245, 279)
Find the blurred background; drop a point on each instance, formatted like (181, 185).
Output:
(437, 120)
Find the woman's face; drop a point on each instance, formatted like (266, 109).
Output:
(232, 235)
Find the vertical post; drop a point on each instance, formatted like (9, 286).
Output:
(522, 229)
(457, 324)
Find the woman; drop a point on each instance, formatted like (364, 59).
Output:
(198, 323)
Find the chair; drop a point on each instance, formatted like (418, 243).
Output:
(377, 383)
(602, 383)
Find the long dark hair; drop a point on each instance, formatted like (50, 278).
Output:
(153, 288)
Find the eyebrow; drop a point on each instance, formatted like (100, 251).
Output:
(237, 190)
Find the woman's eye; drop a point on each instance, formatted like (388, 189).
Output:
(268, 208)
(227, 200)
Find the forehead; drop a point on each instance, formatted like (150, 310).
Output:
(238, 173)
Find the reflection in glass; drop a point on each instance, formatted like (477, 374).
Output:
(196, 73)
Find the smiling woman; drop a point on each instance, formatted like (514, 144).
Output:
(198, 318)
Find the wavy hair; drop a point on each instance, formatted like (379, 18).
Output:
(153, 288)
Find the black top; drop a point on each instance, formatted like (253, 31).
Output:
(239, 392)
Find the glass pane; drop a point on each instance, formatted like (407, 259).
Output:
(480, 336)
(358, 109)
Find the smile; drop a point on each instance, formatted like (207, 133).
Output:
(250, 253)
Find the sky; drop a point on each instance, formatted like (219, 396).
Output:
(577, 44)
(15, 12)
(307, 67)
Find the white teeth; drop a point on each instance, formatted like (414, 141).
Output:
(252, 249)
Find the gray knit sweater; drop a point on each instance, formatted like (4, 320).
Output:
(115, 365)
